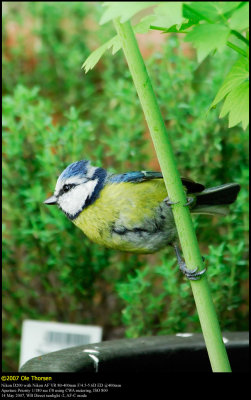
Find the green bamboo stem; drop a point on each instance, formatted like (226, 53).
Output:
(237, 49)
(205, 307)
(239, 36)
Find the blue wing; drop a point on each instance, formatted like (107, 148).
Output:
(137, 176)
(141, 176)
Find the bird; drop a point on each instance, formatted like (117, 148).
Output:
(131, 211)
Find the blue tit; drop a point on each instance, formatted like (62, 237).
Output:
(130, 211)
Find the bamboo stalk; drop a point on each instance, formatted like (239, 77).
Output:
(205, 307)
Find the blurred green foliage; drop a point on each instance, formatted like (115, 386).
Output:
(53, 115)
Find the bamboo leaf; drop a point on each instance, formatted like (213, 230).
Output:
(208, 37)
(237, 105)
(212, 10)
(168, 14)
(174, 28)
(142, 27)
(240, 18)
(95, 56)
(125, 9)
(238, 74)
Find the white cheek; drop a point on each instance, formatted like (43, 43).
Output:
(73, 201)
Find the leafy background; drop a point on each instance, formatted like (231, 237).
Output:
(214, 25)
(54, 114)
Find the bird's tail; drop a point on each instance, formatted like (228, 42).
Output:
(215, 200)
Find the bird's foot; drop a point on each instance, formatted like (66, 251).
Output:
(190, 200)
(169, 202)
(191, 274)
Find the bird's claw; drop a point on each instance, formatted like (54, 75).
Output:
(191, 274)
(169, 202)
(190, 200)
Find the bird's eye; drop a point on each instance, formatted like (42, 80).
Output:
(66, 188)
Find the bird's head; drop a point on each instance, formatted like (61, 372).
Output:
(77, 187)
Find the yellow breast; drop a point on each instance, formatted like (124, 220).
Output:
(130, 203)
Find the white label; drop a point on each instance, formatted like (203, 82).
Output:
(40, 337)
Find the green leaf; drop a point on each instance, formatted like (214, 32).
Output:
(144, 25)
(125, 10)
(208, 37)
(114, 43)
(174, 28)
(211, 10)
(237, 105)
(95, 56)
(223, 7)
(238, 74)
(240, 18)
(190, 14)
(168, 14)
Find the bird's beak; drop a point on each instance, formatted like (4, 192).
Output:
(51, 200)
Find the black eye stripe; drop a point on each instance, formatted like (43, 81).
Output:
(66, 188)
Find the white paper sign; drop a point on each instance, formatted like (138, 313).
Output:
(41, 337)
